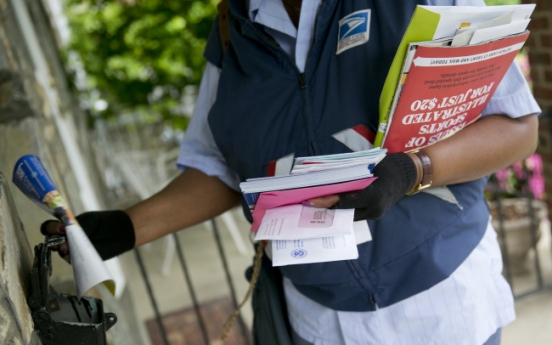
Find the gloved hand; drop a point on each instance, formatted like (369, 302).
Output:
(111, 232)
(396, 174)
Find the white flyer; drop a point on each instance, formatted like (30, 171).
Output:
(88, 267)
(305, 251)
(301, 222)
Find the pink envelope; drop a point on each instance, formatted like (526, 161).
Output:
(279, 198)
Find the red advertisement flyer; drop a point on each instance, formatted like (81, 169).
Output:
(446, 89)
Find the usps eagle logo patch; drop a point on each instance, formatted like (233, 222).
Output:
(354, 30)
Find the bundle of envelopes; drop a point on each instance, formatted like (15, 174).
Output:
(304, 234)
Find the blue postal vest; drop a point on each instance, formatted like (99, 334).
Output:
(266, 109)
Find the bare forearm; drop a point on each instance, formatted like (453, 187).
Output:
(189, 199)
(482, 148)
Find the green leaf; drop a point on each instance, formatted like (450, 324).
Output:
(131, 48)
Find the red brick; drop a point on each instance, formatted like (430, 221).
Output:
(545, 104)
(548, 76)
(543, 149)
(546, 40)
(531, 41)
(536, 75)
(542, 5)
(539, 22)
(544, 132)
(539, 58)
(544, 93)
(539, 3)
(546, 107)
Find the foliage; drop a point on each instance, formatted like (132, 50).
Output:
(141, 54)
(523, 178)
(502, 2)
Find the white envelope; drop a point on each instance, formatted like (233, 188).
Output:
(324, 249)
(302, 222)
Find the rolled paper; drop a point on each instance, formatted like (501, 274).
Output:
(89, 270)
(32, 179)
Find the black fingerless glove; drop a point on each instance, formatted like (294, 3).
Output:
(111, 232)
(396, 174)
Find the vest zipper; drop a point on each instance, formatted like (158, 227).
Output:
(272, 42)
(269, 40)
(312, 146)
(302, 76)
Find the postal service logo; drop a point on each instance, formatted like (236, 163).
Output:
(299, 253)
(354, 30)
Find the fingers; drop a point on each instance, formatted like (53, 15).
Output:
(322, 202)
(52, 227)
(63, 252)
(62, 249)
(351, 200)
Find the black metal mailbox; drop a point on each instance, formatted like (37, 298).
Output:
(62, 319)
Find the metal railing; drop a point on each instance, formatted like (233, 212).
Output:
(244, 331)
(142, 172)
(537, 271)
(519, 235)
(536, 274)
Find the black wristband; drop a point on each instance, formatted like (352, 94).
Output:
(111, 232)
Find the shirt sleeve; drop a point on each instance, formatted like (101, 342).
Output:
(512, 96)
(198, 149)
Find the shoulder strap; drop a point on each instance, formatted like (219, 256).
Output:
(223, 24)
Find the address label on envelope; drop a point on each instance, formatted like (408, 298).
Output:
(302, 222)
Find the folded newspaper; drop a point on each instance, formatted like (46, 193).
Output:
(449, 63)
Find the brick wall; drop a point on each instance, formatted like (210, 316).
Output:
(539, 47)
